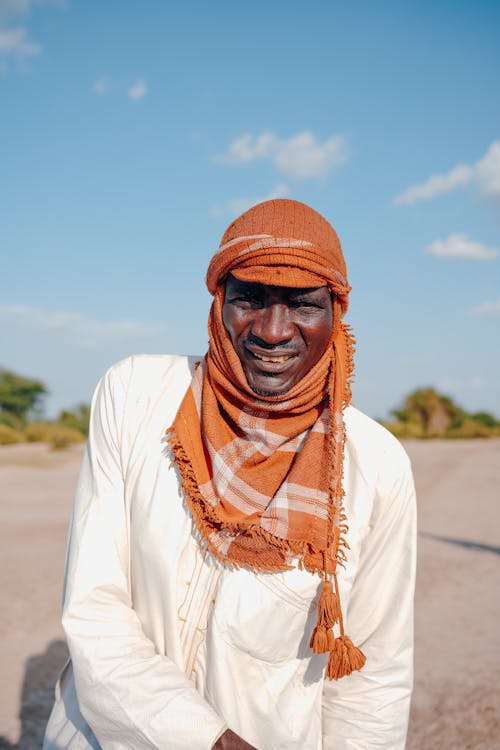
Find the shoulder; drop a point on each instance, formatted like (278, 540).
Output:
(366, 432)
(150, 374)
(373, 448)
(145, 384)
(141, 394)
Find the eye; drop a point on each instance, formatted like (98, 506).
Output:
(305, 303)
(246, 301)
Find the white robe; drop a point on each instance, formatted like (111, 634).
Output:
(169, 648)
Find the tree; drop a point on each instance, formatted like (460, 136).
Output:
(427, 413)
(431, 411)
(18, 397)
(486, 419)
(77, 419)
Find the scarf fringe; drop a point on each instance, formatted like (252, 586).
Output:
(203, 511)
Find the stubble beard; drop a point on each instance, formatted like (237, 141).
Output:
(267, 394)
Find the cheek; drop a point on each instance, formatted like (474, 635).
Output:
(232, 322)
(319, 336)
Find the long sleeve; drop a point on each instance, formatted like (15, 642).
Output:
(369, 709)
(130, 695)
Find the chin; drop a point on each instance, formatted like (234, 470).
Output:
(267, 389)
(262, 392)
(270, 384)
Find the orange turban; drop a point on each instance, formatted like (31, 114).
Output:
(281, 243)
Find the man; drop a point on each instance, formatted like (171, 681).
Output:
(217, 590)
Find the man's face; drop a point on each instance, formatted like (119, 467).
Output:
(279, 333)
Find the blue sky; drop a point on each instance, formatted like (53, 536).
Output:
(132, 133)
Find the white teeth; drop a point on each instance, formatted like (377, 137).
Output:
(275, 360)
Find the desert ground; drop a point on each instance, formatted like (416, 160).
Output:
(456, 703)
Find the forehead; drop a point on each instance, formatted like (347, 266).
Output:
(251, 287)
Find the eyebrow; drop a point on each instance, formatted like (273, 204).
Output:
(251, 287)
(305, 291)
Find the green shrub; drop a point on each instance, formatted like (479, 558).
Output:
(77, 419)
(425, 413)
(403, 430)
(63, 437)
(486, 419)
(10, 420)
(8, 435)
(38, 432)
(470, 428)
(19, 396)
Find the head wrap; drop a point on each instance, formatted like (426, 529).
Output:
(298, 248)
(262, 475)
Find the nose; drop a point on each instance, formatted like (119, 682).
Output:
(273, 325)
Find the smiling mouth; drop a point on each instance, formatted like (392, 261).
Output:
(279, 360)
(272, 359)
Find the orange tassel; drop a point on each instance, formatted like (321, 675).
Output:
(328, 606)
(331, 639)
(319, 640)
(322, 638)
(344, 658)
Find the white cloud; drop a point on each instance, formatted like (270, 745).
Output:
(460, 246)
(487, 171)
(490, 309)
(483, 174)
(237, 206)
(246, 148)
(101, 86)
(23, 7)
(436, 185)
(14, 42)
(138, 90)
(300, 157)
(77, 330)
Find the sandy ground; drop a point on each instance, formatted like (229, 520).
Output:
(457, 689)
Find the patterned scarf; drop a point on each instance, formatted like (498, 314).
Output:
(262, 475)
